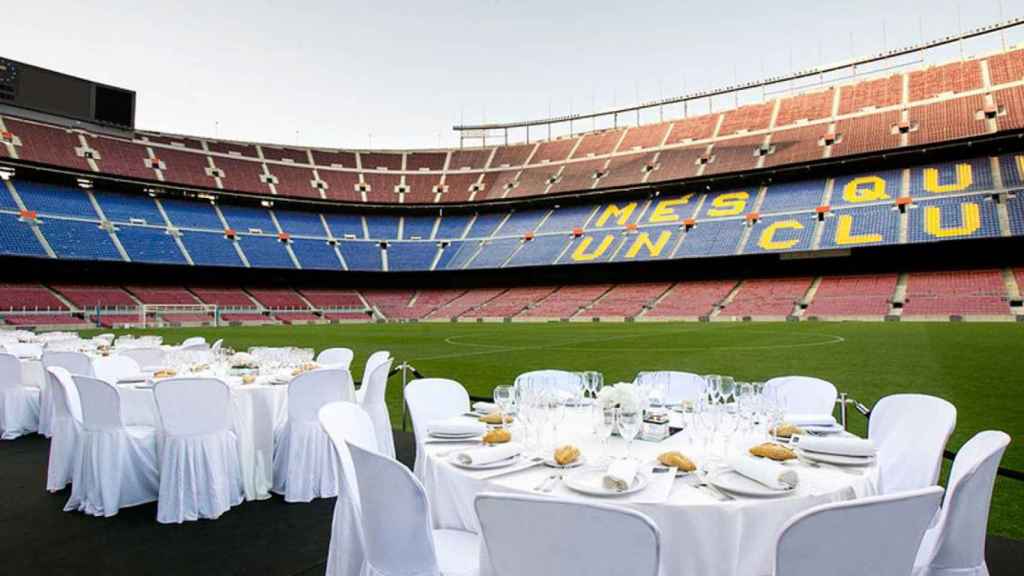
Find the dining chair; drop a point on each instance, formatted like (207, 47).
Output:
(26, 350)
(393, 508)
(679, 386)
(216, 346)
(117, 464)
(114, 368)
(371, 363)
(193, 341)
(567, 382)
(430, 399)
(19, 404)
(345, 421)
(200, 473)
(804, 394)
(955, 546)
(618, 541)
(304, 463)
(336, 358)
(374, 402)
(877, 535)
(67, 428)
(910, 432)
(147, 358)
(73, 362)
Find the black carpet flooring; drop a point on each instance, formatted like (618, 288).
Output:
(267, 538)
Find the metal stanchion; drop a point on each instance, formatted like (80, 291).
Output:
(842, 409)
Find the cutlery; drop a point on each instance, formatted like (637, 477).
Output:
(544, 482)
(716, 492)
(531, 463)
(554, 482)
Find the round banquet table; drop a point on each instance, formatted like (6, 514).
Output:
(257, 410)
(701, 532)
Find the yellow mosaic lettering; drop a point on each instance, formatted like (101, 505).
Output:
(964, 178)
(768, 241)
(643, 240)
(664, 212)
(865, 189)
(581, 255)
(621, 215)
(845, 236)
(970, 214)
(729, 204)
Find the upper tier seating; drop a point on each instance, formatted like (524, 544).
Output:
(968, 293)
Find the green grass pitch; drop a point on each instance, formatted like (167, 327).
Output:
(977, 366)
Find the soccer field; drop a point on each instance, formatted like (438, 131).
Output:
(976, 366)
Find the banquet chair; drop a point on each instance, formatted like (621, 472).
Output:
(680, 386)
(116, 466)
(19, 404)
(373, 401)
(804, 394)
(618, 541)
(336, 358)
(113, 368)
(876, 536)
(193, 341)
(371, 363)
(345, 421)
(27, 350)
(567, 382)
(199, 347)
(393, 508)
(956, 545)
(430, 399)
(67, 427)
(200, 474)
(910, 432)
(147, 358)
(73, 362)
(106, 337)
(304, 464)
(216, 346)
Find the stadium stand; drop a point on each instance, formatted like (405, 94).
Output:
(862, 296)
(465, 303)
(512, 302)
(279, 298)
(692, 299)
(625, 300)
(961, 293)
(566, 302)
(766, 297)
(88, 297)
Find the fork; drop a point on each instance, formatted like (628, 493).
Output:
(554, 482)
(544, 482)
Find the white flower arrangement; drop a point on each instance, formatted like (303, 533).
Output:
(623, 395)
(242, 360)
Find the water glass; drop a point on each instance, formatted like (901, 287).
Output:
(603, 420)
(628, 423)
(504, 397)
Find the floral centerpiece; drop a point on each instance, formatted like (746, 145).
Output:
(242, 361)
(623, 396)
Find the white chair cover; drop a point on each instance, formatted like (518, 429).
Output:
(19, 405)
(345, 421)
(215, 348)
(336, 358)
(371, 363)
(199, 347)
(956, 545)
(395, 516)
(107, 337)
(304, 463)
(375, 404)
(432, 399)
(113, 368)
(74, 362)
(616, 541)
(193, 341)
(200, 474)
(67, 426)
(116, 466)
(804, 394)
(680, 386)
(876, 536)
(147, 358)
(561, 380)
(910, 432)
(24, 350)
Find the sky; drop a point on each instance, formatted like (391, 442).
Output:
(401, 73)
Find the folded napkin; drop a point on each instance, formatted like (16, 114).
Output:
(620, 474)
(810, 419)
(487, 455)
(132, 378)
(841, 446)
(767, 472)
(484, 407)
(458, 425)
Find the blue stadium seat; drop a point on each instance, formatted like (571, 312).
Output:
(265, 252)
(980, 177)
(784, 235)
(191, 214)
(1015, 209)
(411, 255)
(382, 227)
(566, 218)
(866, 188)
(315, 254)
(521, 222)
(301, 223)
(793, 196)
(211, 249)
(361, 255)
(447, 254)
(343, 225)
(711, 238)
(452, 226)
(726, 204)
(78, 240)
(1012, 168)
(485, 224)
(593, 247)
(55, 200)
(862, 226)
(418, 227)
(17, 239)
(121, 207)
(649, 250)
(495, 252)
(540, 251)
(245, 218)
(951, 215)
(7, 201)
(462, 254)
(144, 244)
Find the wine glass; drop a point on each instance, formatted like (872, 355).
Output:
(628, 423)
(504, 397)
(603, 420)
(556, 412)
(726, 387)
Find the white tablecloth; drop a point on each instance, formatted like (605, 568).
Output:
(256, 411)
(700, 534)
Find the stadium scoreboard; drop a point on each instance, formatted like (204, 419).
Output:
(41, 90)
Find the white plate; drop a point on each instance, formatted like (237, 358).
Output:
(464, 435)
(837, 459)
(579, 461)
(591, 481)
(833, 429)
(499, 464)
(736, 483)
